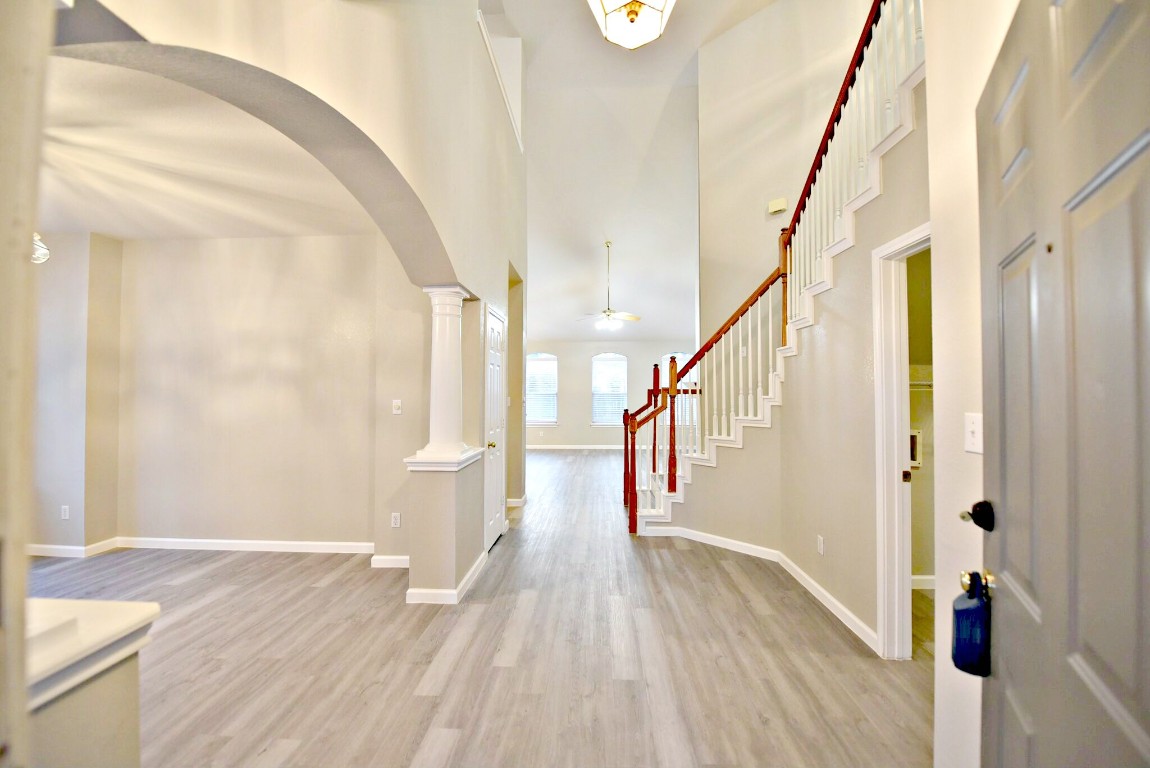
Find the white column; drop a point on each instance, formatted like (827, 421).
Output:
(445, 449)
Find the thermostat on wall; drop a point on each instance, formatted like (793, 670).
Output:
(778, 205)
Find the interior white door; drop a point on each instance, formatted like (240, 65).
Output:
(495, 417)
(1064, 176)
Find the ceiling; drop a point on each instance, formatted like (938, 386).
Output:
(611, 141)
(190, 163)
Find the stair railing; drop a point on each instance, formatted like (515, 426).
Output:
(735, 375)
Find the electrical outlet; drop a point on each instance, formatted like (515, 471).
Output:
(65, 513)
(396, 407)
(819, 543)
(394, 519)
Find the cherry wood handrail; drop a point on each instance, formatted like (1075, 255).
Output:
(836, 113)
(734, 318)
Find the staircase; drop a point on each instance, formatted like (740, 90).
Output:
(736, 379)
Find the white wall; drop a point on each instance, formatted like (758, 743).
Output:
(962, 41)
(415, 77)
(252, 374)
(574, 426)
(102, 417)
(61, 389)
(766, 88)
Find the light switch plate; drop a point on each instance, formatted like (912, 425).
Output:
(972, 432)
(397, 407)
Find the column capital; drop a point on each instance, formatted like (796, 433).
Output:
(450, 290)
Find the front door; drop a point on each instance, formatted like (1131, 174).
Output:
(495, 417)
(1064, 176)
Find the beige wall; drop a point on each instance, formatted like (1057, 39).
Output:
(961, 44)
(741, 498)
(516, 415)
(574, 426)
(765, 92)
(61, 390)
(248, 388)
(102, 421)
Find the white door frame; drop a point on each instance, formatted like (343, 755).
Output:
(892, 444)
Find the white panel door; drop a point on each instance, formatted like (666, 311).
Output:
(1064, 177)
(495, 417)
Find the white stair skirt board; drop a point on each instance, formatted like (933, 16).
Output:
(447, 596)
(617, 447)
(57, 550)
(390, 561)
(922, 582)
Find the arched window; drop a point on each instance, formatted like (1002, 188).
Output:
(608, 388)
(542, 388)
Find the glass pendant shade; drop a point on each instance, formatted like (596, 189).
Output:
(40, 252)
(608, 324)
(631, 24)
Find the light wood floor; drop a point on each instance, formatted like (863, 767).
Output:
(578, 646)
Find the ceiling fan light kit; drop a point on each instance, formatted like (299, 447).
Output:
(631, 24)
(610, 319)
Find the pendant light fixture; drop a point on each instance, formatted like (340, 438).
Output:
(631, 24)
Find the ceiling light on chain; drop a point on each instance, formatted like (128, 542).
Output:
(631, 24)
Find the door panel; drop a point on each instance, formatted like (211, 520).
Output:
(1064, 177)
(495, 419)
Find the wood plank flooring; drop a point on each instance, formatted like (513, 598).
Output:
(577, 646)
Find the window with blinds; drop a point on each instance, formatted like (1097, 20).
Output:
(608, 388)
(542, 388)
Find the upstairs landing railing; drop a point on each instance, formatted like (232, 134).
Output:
(734, 375)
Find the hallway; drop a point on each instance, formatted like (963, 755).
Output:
(577, 646)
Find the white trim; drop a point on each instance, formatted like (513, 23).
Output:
(844, 614)
(499, 77)
(754, 550)
(576, 447)
(429, 462)
(250, 545)
(516, 502)
(448, 596)
(60, 550)
(922, 582)
(390, 561)
(892, 451)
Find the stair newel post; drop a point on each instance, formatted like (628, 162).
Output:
(656, 391)
(632, 492)
(672, 460)
(626, 455)
(784, 265)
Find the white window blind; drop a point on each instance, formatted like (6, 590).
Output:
(542, 388)
(608, 388)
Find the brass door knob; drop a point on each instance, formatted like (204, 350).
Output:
(491, 444)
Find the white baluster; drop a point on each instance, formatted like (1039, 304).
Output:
(759, 310)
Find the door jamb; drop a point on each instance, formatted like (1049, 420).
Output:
(892, 450)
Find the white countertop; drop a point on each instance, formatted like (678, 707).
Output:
(70, 641)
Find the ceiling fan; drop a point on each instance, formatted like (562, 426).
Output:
(610, 319)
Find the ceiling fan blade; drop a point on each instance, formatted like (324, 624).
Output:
(625, 316)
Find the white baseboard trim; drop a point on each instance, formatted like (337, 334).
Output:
(60, 550)
(922, 582)
(250, 545)
(753, 550)
(390, 561)
(853, 623)
(516, 502)
(618, 447)
(448, 596)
